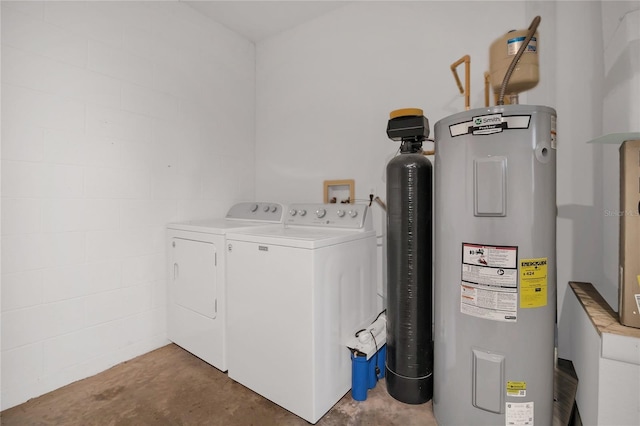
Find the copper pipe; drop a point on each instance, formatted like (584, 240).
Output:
(486, 88)
(467, 79)
(380, 203)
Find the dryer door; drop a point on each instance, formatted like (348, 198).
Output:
(194, 284)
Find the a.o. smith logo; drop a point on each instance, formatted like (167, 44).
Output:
(483, 121)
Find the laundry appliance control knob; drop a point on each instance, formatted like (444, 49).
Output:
(302, 212)
(340, 213)
(353, 213)
(293, 212)
(320, 213)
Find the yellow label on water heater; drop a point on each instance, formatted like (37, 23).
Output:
(517, 389)
(533, 283)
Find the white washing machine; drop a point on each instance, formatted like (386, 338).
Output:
(296, 294)
(197, 315)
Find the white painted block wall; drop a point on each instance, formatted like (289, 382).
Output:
(325, 89)
(117, 117)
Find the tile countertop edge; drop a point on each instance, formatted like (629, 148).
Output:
(619, 342)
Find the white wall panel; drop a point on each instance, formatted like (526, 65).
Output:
(103, 182)
(63, 352)
(117, 63)
(22, 327)
(67, 282)
(103, 121)
(31, 34)
(120, 303)
(62, 214)
(140, 213)
(65, 146)
(23, 364)
(21, 215)
(325, 89)
(169, 184)
(33, 251)
(103, 276)
(142, 100)
(62, 317)
(21, 141)
(143, 269)
(22, 289)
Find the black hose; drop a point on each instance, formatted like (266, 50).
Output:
(503, 87)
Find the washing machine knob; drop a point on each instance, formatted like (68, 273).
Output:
(292, 212)
(274, 209)
(340, 213)
(254, 207)
(302, 212)
(265, 209)
(353, 213)
(320, 213)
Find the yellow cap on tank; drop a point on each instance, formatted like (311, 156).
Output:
(406, 112)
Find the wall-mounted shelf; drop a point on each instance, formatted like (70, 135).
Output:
(616, 138)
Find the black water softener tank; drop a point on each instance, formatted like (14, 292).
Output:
(409, 363)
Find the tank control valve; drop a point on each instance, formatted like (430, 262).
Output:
(409, 126)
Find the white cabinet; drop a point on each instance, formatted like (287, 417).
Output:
(606, 357)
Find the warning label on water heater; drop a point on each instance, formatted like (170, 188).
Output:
(489, 287)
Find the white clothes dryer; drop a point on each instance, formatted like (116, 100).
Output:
(297, 293)
(197, 314)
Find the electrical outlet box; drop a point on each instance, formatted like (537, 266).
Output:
(629, 287)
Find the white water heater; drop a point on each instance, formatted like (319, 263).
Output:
(495, 268)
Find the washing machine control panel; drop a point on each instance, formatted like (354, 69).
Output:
(352, 216)
(258, 211)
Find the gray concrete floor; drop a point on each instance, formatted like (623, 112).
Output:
(169, 386)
